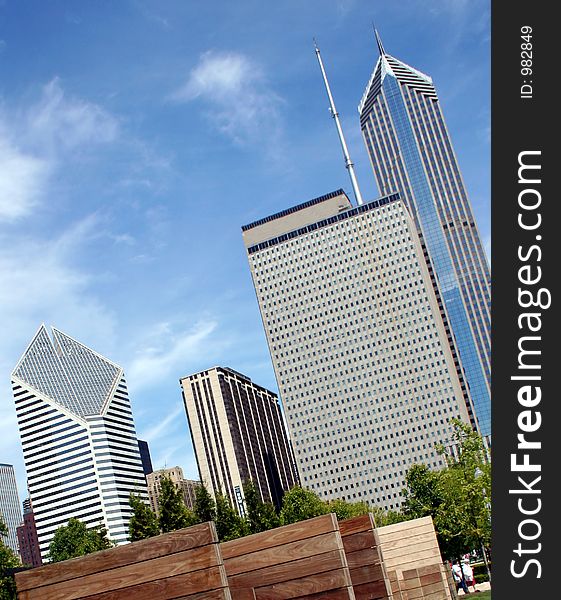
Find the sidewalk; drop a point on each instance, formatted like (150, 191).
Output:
(480, 587)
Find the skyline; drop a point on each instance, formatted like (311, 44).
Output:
(136, 143)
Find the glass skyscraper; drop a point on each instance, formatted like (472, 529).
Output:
(411, 153)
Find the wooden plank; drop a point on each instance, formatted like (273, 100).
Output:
(356, 525)
(401, 556)
(387, 535)
(221, 594)
(367, 573)
(372, 590)
(276, 573)
(137, 573)
(368, 556)
(313, 584)
(430, 578)
(421, 592)
(185, 585)
(281, 535)
(408, 541)
(358, 541)
(430, 569)
(280, 554)
(161, 545)
(339, 594)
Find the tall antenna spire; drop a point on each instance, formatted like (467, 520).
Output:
(379, 41)
(348, 163)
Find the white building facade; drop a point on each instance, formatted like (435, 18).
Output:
(360, 353)
(78, 437)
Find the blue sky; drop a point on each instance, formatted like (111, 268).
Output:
(136, 137)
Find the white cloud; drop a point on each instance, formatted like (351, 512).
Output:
(243, 107)
(162, 427)
(166, 351)
(59, 123)
(22, 179)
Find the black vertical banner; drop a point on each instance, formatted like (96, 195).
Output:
(526, 265)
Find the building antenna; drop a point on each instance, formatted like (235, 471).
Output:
(348, 163)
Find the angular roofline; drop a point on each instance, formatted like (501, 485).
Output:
(39, 329)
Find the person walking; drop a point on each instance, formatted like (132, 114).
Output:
(458, 577)
(468, 574)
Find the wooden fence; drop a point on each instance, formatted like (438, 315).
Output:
(182, 564)
(302, 560)
(317, 559)
(365, 560)
(413, 561)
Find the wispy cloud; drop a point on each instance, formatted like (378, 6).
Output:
(244, 107)
(22, 180)
(34, 141)
(163, 427)
(166, 351)
(58, 122)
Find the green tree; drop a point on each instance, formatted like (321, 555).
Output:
(458, 496)
(143, 522)
(464, 522)
(8, 560)
(299, 504)
(260, 516)
(75, 539)
(229, 525)
(347, 510)
(173, 514)
(205, 507)
(423, 495)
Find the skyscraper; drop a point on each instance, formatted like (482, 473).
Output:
(238, 434)
(10, 509)
(411, 153)
(78, 437)
(360, 352)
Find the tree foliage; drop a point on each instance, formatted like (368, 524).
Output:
(173, 514)
(75, 539)
(229, 525)
(205, 507)
(347, 510)
(260, 516)
(8, 560)
(143, 522)
(299, 504)
(457, 497)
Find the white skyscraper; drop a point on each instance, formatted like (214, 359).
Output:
(359, 348)
(10, 506)
(78, 437)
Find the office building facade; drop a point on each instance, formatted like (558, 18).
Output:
(188, 486)
(411, 153)
(78, 437)
(10, 508)
(359, 349)
(238, 434)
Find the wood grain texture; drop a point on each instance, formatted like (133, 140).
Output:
(281, 535)
(161, 545)
(365, 559)
(302, 588)
(259, 559)
(300, 560)
(181, 564)
(137, 573)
